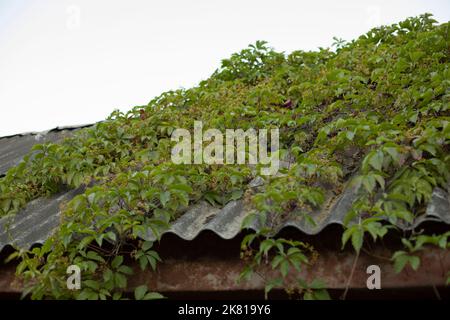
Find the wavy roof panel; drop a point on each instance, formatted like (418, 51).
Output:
(36, 222)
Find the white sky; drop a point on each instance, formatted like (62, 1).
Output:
(73, 62)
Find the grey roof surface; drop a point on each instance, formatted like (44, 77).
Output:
(35, 223)
(14, 148)
(226, 222)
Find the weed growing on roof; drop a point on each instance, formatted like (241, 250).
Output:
(374, 112)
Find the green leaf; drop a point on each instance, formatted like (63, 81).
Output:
(357, 239)
(140, 292)
(164, 197)
(85, 241)
(400, 262)
(284, 268)
(414, 261)
(317, 284)
(117, 261)
(6, 204)
(182, 187)
(266, 245)
(153, 296)
(308, 296)
(125, 269)
(147, 245)
(91, 284)
(321, 294)
(380, 180)
(117, 295)
(369, 182)
(152, 261)
(120, 280)
(401, 258)
(376, 160)
(276, 261)
(273, 283)
(346, 236)
(237, 194)
(143, 262)
(350, 135)
(107, 275)
(95, 256)
(112, 236)
(248, 221)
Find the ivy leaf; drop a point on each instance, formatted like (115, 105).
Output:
(91, 284)
(266, 245)
(125, 270)
(376, 160)
(164, 197)
(140, 292)
(284, 267)
(346, 236)
(143, 262)
(401, 258)
(273, 283)
(357, 239)
(182, 187)
(414, 261)
(321, 294)
(317, 284)
(350, 135)
(6, 204)
(356, 233)
(249, 220)
(147, 245)
(237, 194)
(95, 256)
(120, 280)
(308, 296)
(117, 261)
(107, 275)
(153, 296)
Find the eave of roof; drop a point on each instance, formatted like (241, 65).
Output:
(220, 275)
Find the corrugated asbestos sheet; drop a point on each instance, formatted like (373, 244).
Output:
(226, 222)
(14, 148)
(36, 222)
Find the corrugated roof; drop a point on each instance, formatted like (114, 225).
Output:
(40, 217)
(35, 223)
(14, 148)
(227, 222)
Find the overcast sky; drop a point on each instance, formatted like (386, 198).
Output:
(73, 62)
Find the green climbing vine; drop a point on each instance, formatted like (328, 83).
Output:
(375, 112)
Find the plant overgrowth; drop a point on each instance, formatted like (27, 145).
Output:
(374, 111)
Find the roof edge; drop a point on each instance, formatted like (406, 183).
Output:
(58, 128)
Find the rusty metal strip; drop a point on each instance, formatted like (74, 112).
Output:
(333, 268)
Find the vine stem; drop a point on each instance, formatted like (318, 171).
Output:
(344, 295)
(436, 292)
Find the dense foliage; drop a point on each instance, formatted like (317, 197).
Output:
(374, 111)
